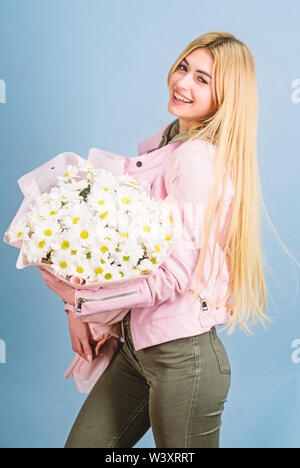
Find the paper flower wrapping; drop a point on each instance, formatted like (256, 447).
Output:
(91, 227)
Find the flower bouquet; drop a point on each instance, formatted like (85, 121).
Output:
(93, 228)
(91, 225)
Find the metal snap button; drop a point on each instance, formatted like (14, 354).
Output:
(139, 163)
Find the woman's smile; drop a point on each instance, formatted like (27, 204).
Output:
(179, 99)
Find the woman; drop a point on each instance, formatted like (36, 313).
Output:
(172, 371)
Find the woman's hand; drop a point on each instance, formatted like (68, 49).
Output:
(82, 341)
(63, 290)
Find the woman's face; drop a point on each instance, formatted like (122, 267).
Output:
(192, 80)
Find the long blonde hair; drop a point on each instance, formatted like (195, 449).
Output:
(233, 129)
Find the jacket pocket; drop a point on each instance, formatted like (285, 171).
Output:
(220, 352)
(83, 300)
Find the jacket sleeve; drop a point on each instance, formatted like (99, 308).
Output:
(189, 183)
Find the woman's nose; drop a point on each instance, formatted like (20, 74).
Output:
(185, 82)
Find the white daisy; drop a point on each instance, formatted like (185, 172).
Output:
(96, 226)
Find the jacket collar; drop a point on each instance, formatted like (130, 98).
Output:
(167, 134)
(152, 142)
(171, 134)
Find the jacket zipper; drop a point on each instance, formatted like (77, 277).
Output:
(81, 300)
(201, 299)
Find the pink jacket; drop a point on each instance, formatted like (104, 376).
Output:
(161, 305)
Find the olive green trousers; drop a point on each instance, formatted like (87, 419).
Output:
(177, 388)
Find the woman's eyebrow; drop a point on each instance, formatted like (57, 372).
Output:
(199, 71)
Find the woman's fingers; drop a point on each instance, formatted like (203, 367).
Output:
(83, 347)
(78, 348)
(82, 350)
(87, 350)
(100, 343)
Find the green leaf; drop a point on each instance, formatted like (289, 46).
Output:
(84, 193)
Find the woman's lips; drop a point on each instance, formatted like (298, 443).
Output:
(180, 103)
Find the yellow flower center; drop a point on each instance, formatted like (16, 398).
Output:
(133, 183)
(125, 200)
(20, 234)
(42, 244)
(98, 271)
(105, 189)
(79, 270)
(157, 248)
(145, 271)
(153, 260)
(101, 202)
(170, 219)
(146, 228)
(126, 258)
(84, 235)
(168, 237)
(53, 213)
(46, 202)
(104, 249)
(48, 232)
(108, 276)
(75, 220)
(67, 174)
(65, 245)
(63, 265)
(125, 234)
(121, 273)
(73, 252)
(103, 215)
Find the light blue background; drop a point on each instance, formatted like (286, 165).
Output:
(82, 74)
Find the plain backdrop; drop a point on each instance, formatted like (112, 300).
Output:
(82, 74)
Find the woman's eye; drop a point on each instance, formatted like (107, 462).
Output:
(184, 67)
(203, 81)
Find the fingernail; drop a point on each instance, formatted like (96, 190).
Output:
(89, 357)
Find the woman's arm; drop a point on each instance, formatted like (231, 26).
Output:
(190, 186)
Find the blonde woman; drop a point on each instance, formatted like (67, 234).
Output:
(171, 371)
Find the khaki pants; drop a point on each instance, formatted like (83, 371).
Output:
(178, 388)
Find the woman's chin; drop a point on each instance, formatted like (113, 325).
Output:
(172, 109)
